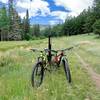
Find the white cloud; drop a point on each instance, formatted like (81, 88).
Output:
(59, 15)
(41, 7)
(23, 14)
(34, 7)
(76, 6)
(72, 14)
(4, 1)
(53, 22)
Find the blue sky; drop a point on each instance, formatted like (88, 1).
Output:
(49, 11)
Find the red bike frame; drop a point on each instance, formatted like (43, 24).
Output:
(57, 58)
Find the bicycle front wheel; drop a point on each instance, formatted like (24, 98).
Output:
(37, 74)
(67, 70)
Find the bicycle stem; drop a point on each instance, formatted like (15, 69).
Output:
(49, 47)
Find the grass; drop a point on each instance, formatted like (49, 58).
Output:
(16, 68)
(4, 46)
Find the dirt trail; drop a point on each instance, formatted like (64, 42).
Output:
(95, 77)
(86, 43)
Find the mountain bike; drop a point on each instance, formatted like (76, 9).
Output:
(47, 60)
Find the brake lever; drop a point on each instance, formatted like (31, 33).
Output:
(33, 50)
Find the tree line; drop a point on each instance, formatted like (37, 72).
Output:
(12, 27)
(86, 22)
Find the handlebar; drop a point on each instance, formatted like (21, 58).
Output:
(55, 51)
(36, 50)
(66, 49)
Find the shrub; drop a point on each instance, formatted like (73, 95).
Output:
(96, 27)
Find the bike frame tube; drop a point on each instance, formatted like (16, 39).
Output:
(58, 57)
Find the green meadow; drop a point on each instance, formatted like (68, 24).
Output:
(17, 61)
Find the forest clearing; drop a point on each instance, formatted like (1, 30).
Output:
(16, 64)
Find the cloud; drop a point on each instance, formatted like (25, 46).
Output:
(59, 15)
(4, 1)
(53, 22)
(42, 8)
(76, 6)
(35, 7)
(22, 14)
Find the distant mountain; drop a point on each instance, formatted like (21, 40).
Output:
(42, 27)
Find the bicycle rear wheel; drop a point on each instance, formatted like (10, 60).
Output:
(67, 70)
(37, 74)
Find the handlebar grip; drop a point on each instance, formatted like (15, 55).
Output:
(66, 49)
(35, 50)
(70, 48)
(55, 51)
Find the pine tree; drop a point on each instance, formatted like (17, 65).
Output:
(16, 35)
(96, 8)
(36, 30)
(3, 24)
(27, 23)
(26, 26)
(14, 23)
(11, 14)
(96, 27)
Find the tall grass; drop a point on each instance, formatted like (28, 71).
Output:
(15, 75)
